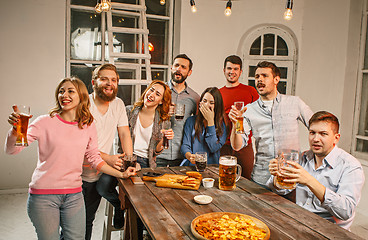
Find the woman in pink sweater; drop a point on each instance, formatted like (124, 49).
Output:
(65, 137)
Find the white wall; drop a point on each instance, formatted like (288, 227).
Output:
(32, 50)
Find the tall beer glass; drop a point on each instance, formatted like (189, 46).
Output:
(283, 156)
(229, 173)
(22, 126)
(166, 125)
(239, 128)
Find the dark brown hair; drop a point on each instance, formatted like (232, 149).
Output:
(234, 60)
(219, 113)
(274, 68)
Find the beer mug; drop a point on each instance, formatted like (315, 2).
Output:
(22, 125)
(179, 112)
(201, 161)
(283, 156)
(229, 172)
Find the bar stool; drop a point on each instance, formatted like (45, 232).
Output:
(108, 227)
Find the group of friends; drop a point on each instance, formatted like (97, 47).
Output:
(75, 168)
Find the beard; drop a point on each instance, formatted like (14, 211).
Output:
(100, 93)
(182, 79)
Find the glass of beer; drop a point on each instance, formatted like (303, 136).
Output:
(129, 161)
(201, 161)
(22, 125)
(229, 172)
(166, 125)
(283, 156)
(239, 128)
(179, 111)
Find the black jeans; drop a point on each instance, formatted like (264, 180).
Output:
(91, 200)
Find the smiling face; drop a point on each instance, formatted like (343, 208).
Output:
(106, 85)
(180, 70)
(266, 83)
(153, 96)
(68, 97)
(322, 138)
(208, 100)
(232, 72)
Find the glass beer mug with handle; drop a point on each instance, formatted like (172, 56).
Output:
(229, 172)
(22, 125)
(283, 156)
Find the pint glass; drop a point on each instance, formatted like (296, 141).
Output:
(283, 156)
(201, 161)
(166, 125)
(229, 173)
(239, 127)
(22, 126)
(129, 161)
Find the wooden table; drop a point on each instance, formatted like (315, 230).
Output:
(167, 213)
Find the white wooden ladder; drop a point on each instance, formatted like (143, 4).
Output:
(142, 58)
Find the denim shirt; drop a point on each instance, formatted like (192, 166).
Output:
(273, 130)
(190, 99)
(343, 177)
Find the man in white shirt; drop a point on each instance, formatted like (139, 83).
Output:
(110, 115)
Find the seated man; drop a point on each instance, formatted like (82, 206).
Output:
(329, 179)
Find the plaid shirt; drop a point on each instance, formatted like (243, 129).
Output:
(273, 130)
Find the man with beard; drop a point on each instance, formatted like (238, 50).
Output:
(329, 180)
(181, 94)
(273, 120)
(110, 115)
(234, 91)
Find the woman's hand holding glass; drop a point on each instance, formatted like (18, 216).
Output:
(131, 171)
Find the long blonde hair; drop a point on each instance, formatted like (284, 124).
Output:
(83, 115)
(163, 108)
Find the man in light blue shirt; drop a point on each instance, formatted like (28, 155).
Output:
(329, 179)
(273, 119)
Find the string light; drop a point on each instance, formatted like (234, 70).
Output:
(288, 14)
(193, 6)
(105, 5)
(162, 2)
(228, 8)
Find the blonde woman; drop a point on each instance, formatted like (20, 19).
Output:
(65, 137)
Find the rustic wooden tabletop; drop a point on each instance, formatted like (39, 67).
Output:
(167, 213)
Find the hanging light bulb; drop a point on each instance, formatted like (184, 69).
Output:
(98, 7)
(228, 8)
(162, 2)
(193, 6)
(105, 5)
(288, 14)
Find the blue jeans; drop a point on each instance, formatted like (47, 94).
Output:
(106, 187)
(50, 211)
(144, 162)
(171, 163)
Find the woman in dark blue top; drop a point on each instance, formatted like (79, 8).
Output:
(206, 131)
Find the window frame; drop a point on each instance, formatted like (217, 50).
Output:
(359, 89)
(136, 88)
(288, 61)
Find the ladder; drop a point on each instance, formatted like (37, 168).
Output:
(142, 58)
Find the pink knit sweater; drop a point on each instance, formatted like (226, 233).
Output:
(62, 146)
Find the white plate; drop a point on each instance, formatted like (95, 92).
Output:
(203, 199)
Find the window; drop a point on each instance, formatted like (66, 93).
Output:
(270, 43)
(360, 142)
(87, 43)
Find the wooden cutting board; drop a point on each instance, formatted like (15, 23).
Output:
(174, 181)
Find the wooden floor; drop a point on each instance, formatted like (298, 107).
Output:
(16, 225)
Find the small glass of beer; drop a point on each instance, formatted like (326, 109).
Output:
(129, 161)
(239, 128)
(201, 161)
(22, 125)
(166, 125)
(283, 156)
(179, 111)
(229, 172)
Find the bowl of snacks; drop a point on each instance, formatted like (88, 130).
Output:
(228, 225)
